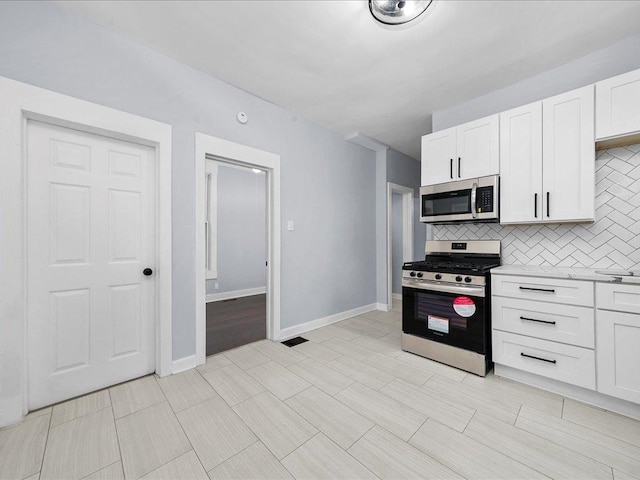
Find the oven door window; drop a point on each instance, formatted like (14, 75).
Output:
(457, 320)
(448, 203)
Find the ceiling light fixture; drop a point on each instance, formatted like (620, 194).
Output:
(397, 12)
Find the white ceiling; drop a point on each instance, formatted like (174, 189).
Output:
(331, 62)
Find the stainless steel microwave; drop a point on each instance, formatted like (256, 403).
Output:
(473, 200)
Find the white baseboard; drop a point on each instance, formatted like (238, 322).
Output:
(184, 363)
(383, 306)
(396, 296)
(216, 297)
(296, 330)
(570, 391)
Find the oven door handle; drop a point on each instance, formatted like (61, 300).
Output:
(474, 200)
(472, 291)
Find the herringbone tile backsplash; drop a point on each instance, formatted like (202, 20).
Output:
(612, 241)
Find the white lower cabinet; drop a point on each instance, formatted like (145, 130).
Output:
(569, 364)
(549, 327)
(545, 326)
(618, 341)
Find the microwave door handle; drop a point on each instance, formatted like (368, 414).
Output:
(474, 208)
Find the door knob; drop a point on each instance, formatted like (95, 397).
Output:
(147, 272)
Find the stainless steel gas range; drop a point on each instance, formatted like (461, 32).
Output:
(446, 310)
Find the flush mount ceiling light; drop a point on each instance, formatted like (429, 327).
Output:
(397, 12)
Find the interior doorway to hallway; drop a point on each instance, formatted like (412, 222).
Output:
(235, 237)
(212, 148)
(400, 223)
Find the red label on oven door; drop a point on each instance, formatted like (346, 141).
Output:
(464, 306)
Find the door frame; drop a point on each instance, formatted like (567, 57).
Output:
(20, 103)
(407, 231)
(226, 151)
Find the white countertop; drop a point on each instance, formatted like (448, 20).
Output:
(594, 275)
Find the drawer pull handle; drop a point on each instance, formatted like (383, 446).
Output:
(538, 358)
(550, 322)
(550, 290)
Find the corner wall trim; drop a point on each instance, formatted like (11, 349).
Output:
(383, 306)
(183, 364)
(216, 297)
(296, 330)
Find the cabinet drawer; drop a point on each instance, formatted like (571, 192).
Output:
(555, 290)
(619, 354)
(558, 323)
(566, 363)
(615, 296)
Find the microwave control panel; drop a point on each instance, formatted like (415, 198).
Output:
(484, 199)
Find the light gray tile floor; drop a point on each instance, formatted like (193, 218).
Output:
(338, 406)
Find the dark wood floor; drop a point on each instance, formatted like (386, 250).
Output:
(236, 322)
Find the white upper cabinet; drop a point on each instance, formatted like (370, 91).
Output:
(618, 105)
(478, 152)
(438, 152)
(568, 156)
(467, 151)
(547, 160)
(521, 164)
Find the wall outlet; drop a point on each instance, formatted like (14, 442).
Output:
(216, 286)
(290, 225)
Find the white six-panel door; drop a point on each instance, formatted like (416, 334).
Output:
(90, 235)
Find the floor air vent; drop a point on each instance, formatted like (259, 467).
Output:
(292, 342)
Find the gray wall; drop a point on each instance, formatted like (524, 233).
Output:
(241, 235)
(395, 167)
(380, 239)
(396, 243)
(618, 58)
(405, 171)
(327, 182)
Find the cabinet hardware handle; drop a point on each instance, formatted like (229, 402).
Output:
(535, 205)
(451, 167)
(547, 204)
(550, 290)
(458, 167)
(537, 358)
(539, 321)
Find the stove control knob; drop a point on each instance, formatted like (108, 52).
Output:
(419, 274)
(413, 274)
(467, 279)
(458, 278)
(438, 276)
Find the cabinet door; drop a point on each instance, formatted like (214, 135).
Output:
(618, 355)
(438, 152)
(568, 156)
(478, 148)
(618, 105)
(521, 164)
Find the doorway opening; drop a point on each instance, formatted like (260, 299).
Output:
(265, 167)
(235, 255)
(400, 220)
